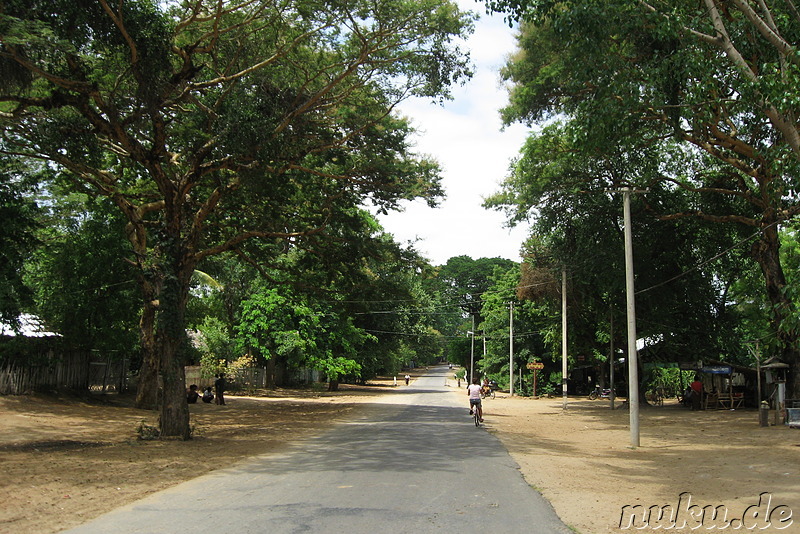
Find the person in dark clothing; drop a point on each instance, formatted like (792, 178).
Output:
(192, 394)
(219, 389)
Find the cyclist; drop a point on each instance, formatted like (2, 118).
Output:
(474, 392)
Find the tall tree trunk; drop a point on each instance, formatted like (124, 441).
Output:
(165, 291)
(174, 413)
(767, 252)
(147, 391)
(171, 344)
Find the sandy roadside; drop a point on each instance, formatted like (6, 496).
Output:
(580, 459)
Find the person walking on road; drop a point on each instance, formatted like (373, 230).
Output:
(407, 379)
(474, 393)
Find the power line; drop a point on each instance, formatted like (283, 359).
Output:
(709, 260)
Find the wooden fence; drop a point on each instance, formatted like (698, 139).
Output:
(250, 378)
(65, 370)
(255, 377)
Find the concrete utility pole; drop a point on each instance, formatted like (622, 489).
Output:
(564, 336)
(471, 354)
(511, 349)
(611, 362)
(633, 358)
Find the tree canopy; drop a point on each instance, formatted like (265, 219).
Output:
(210, 124)
(693, 101)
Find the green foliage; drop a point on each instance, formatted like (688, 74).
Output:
(667, 381)
(83, 286)
(279, 324)
(644, 98)
(18, 217)
(217, 346)
(463, 280)
(210, 124)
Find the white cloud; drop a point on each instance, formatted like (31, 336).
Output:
(465, 137)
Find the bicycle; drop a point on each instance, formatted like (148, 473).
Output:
(473, 409)
(476, 416)
(487, 392)
(656, 397)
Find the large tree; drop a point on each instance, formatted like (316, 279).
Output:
(210, 123)
(715, 78)
(83, 287)
(18, 217)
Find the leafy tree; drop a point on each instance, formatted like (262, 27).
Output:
(713, 79)
(84, 289)
(684, 282)
(289, 332)
(209, 124)
(463, 280)
(18, 216)
(383, 290)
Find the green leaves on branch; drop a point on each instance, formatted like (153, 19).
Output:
(276, 323)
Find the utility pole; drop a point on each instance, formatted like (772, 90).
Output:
(511, 349)
(611, 362)
(564, 336)
(483, 334)
(633, 358)
(472, 353)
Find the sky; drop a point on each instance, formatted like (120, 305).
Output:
(465, 137)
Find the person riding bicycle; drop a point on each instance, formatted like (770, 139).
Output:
(474, 393)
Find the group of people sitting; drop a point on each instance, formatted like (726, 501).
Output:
(208, 395)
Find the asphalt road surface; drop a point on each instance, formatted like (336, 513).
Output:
(412, 462)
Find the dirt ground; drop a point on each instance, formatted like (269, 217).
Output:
(581, 460)
(64, 461)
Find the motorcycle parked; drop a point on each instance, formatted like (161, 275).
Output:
(604, 393)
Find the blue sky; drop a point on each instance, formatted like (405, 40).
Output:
(465, 137)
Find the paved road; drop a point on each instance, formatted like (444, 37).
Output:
(412, 462)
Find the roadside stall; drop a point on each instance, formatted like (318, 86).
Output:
(725, 386)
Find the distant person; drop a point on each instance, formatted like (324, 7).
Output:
(697, 392)
(192, 394)
(208, 395)
(219, 389)
(407, 379)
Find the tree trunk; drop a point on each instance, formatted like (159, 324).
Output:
(767, 253)
(174, 417)
(147, 390)
(164, 283)
(171, 345)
